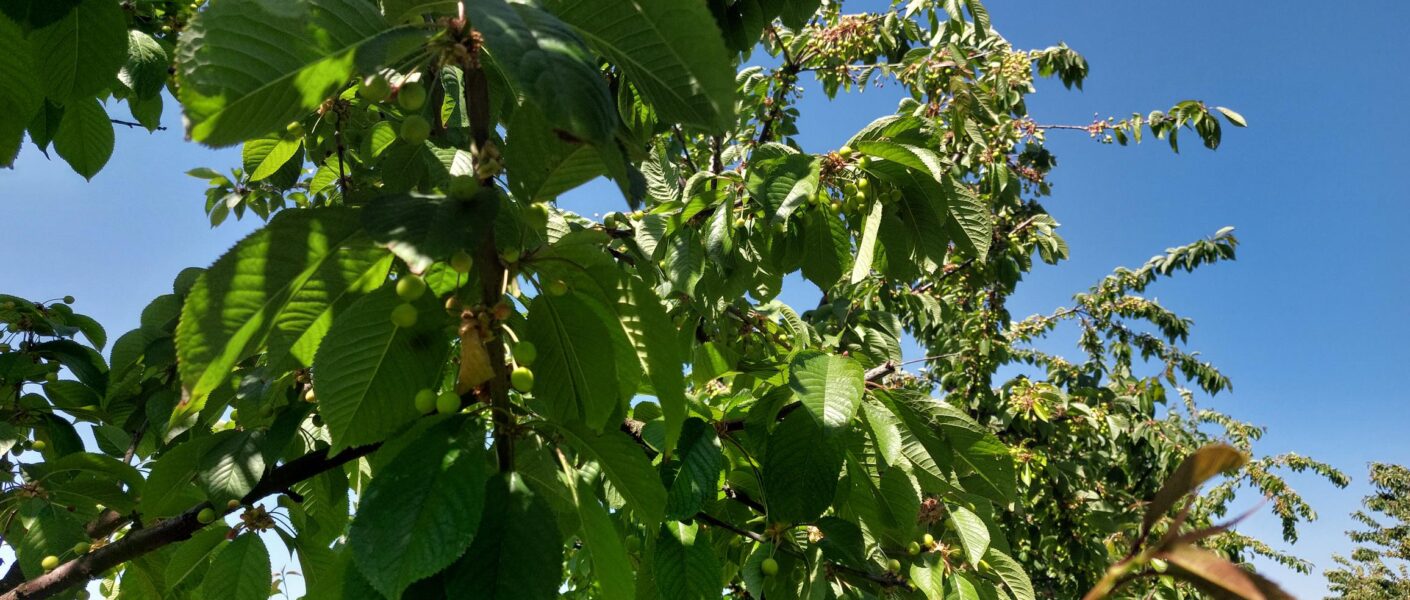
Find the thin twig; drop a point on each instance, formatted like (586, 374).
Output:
(132, 124)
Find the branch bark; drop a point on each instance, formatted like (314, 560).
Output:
(162, 533)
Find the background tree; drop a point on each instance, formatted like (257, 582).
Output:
(1377, 569)
(503, 385)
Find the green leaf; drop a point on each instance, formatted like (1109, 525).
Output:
(653, 335)
(826, 248)
(369, 370)
(85, 137)
(971, 216)
(53, 531)
(684, 564)
(264, 156)
(801, 467)
(239, 571)
(974, 533)
(147, 64)
(989, 465)
(670, 51)
(420, 512)
(785, 183)
(518, 550)
(1197, 468)
(1218, 577)
(612, 568)
(696, 481)
(627, 468)
(20, 98)
(1233, 117)
(830, 388)
(249, 67)
(916, 158)
(423, 230)
(80, 54)
(540, 164)
(169, 489)
(866, 246)
(548, 63)
(577, 372)
(1012, 574)
(928, 575)
(280, 286)
(231, 465)
(191, 558)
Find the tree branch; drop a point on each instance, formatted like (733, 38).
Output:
(132, 124)
(142, 541)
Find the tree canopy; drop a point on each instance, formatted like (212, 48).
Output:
(424, 377)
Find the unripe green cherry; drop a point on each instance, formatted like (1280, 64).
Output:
(68, 300)
(845, 151)
(295, 130)
(463, 187)
(81, 548)
(404, 315)
(461, 261)
(913, 549)
(893, 566)
(425, 401)
(49, 563)
(863, 184)
(510, 256)
(206, 516)
(864, 162)
(232, 504)
(310, 397)
(374, 88)
(39, 445)
(927, 539)
(411, 287)
(447, 403)
(557, 287)
(769, 567)
(525, 353)
(415, 129)
(522, 379)
(740, 223)
(411, 95)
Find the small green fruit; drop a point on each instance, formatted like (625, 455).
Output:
(81, 548)
(453, 305)
(206, 516)
(740, 223)
(557, 287)
(913, 549)
(404, 315)
(447, 403)
(637, 215)
(463, 187)
(927, 539)
(769, 567)
(415, 129)
(425, 401)
(461, 261)
(310, 397)
(863, 184)
(295, 130)
(845, 151)
(864, 162)
(68, 299)
(510, 256)
(234, 414)
(49, 562)
(410, 288)
(836, 207)
(522, 379)
(39, 445)
(374, 88)
(232, 505)
(893, 566)
(411, 95)
(525, 353)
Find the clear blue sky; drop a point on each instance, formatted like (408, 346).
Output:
(1311, 321)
